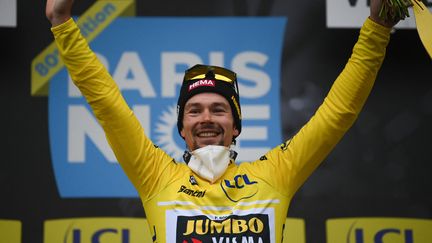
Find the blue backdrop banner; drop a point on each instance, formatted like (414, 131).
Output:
(147, 57)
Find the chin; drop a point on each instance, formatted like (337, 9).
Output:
(201, 144)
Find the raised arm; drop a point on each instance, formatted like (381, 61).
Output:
(300, 156)
(142, 162)
(86, 71)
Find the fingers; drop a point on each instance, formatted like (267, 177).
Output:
(388, 12)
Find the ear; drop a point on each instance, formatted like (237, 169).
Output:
(235, 132)
(182, 134)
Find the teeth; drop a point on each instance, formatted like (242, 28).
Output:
(207, 134)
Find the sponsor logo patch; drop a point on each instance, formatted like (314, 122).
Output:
(241, 187)
(252, 228)
(190, 192)
(192, 180)
(200, 83)
(284, 146)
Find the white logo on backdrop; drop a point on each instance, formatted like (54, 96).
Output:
(165, 129)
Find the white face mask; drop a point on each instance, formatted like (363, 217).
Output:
(210, 162)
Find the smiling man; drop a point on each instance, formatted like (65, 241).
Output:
(209, 119)
(210, 198)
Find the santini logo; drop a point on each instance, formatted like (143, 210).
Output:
(193, 193)
(199, 83)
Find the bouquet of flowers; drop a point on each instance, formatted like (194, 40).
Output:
(394, 10)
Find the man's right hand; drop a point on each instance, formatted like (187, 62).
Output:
(375, 7)
(58, 11)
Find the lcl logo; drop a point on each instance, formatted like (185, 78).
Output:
(123, 236)
(239, 182)
(379, 236)
(234, 189)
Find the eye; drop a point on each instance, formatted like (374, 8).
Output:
(193, 111)
(219, 109)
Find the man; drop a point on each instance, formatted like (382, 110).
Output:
(210, 198)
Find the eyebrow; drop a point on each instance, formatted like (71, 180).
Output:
(198, 104)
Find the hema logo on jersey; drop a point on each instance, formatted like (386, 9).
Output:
(148, 66)
(379, 230)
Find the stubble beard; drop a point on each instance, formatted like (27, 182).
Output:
(196, 146)
(220, 142)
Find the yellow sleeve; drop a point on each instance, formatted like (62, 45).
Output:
(140, 159)
(290, 164)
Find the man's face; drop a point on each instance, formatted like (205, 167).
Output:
(208, 120)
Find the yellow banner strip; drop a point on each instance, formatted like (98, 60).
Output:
(10, 231)
(92, 23)
(424, 24)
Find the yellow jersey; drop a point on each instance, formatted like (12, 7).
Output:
(249, 203)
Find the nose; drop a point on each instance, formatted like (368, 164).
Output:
(206, 116)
